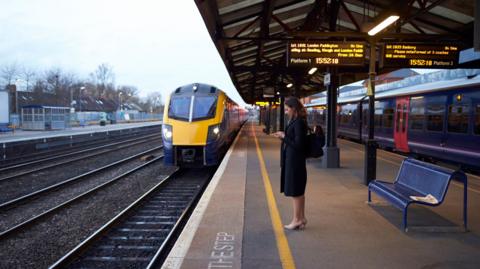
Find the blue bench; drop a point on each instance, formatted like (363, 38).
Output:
(419, 179)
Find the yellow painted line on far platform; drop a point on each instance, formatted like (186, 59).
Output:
(284, 252)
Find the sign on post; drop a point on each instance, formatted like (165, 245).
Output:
(326, 79)
(325, 53)
(416, 55)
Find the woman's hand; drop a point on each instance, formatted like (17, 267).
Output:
(279, 134)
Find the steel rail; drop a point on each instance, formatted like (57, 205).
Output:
(23, 198)
(76, 145)
(176, 230)
(79, 158)
(37, 161)
(31, 221)
(72, 254)
(130, 211)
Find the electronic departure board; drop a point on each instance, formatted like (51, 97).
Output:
(318, 53)
(420, 55)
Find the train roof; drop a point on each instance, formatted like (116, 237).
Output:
(200, 88)
(426, 83)
(197, 88)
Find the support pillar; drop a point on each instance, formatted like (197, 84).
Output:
(260, 115)
(268, 118)
(274, 127)
(370, 160)
(476, 27)
(331, 157)
(282, 113)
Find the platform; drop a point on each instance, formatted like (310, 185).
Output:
(238, 222)
(20, 135)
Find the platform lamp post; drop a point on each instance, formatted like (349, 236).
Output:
(17, 82)
(370, 165)
(80, 98)
(120, 100)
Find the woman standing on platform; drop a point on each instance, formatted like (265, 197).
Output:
(293, 160)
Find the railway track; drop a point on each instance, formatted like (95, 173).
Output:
(99, 150)
(46, 155)
(33, 220)
(19, 200)
(140, 235)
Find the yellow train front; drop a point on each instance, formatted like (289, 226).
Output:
(199, 123)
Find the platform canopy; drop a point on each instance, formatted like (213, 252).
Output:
(252, 35)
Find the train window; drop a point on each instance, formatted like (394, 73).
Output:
(204, 107)
(435, 115)
(458, 118)
(476, 128)
(365, 120)
(179, 107)
(388, 117)
(378, 117)
(343, 118)
(417, 113)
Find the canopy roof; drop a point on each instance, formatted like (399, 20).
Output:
(251, 35)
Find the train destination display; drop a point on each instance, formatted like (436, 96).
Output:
(420, 55)
(320, 53)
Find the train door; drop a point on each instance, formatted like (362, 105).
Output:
(401, 124)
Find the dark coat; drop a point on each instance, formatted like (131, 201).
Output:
(293, 163)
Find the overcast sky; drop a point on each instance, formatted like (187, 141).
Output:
(155, 45)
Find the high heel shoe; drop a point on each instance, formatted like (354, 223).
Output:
(299, 226)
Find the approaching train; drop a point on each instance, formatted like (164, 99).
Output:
(439, 120)
(199, 123)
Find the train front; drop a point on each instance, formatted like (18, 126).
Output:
(191, 131)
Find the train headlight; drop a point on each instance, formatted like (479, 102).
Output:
(213, 132)
(167, 132)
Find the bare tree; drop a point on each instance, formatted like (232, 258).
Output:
(28, 75)
(59, 83)
(129, 92)
(153, 102)
(9, 73)
(105, 78)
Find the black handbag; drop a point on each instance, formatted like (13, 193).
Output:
(315, 143)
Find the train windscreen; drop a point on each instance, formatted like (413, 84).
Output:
(204, 107)
(179, 107)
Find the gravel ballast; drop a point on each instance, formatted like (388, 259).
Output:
(16, 187)
(42, 244)
(18, 214)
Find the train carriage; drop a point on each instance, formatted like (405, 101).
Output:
(439, 119)
(199, 123)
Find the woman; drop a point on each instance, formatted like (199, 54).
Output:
(293, 164)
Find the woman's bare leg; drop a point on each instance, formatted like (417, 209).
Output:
(298, 212)
(302, 209)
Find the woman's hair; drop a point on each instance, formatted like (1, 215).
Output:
(296, 105)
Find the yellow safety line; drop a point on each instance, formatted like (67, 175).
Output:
(284, 252)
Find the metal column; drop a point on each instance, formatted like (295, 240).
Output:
(331, 158)
(476, 27)
(267, 119)
(282, 113)
(370, 161)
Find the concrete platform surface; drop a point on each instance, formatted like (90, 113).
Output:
(236, 224)
(20, 135)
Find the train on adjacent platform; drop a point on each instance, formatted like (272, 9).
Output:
(437, 120)
(200, 122)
